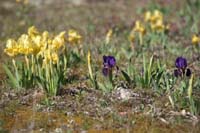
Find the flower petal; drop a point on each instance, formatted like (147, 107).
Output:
(188, 72)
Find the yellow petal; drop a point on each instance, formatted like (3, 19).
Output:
(10, 43)
(32, 31)
(147, 16)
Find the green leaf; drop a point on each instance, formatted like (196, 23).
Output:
(149, 69)
(102, 87)
(126, 76)
(13, 81)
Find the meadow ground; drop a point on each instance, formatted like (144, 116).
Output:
(138, 91)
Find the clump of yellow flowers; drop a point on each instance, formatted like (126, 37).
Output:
(45, 57)
(36, 44)
(153, 22)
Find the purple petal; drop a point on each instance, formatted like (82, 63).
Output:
(181, 63)
(111, 61)
(105, 71)
(105, 58)
(177, 72)
(188, 72)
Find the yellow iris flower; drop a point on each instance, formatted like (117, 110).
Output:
(157, 15)
(139, 27)
(158, 26)
(74, 37)
(195, 40)
(58, 41)
(11, 48)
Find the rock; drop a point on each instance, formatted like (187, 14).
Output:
(123, 94)
(183, 112)
(58, 130)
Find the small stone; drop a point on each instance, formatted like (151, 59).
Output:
(183, 112)
(123, 94)
(58, 130)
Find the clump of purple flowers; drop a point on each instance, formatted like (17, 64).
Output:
(181, 67)
(109, 63)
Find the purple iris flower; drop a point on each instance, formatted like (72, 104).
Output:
(181, 65)
(108, 63)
